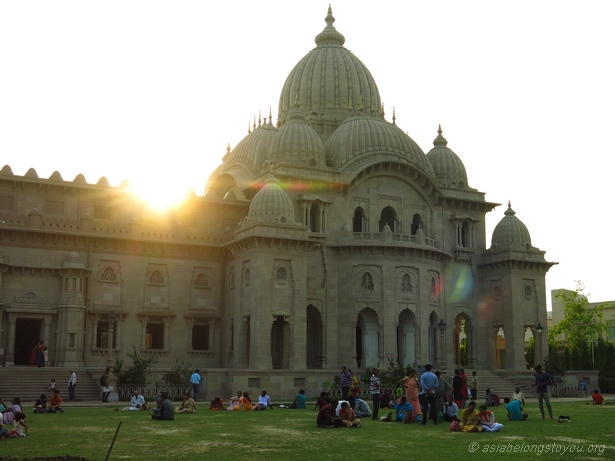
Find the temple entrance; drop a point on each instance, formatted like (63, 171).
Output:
(28, 333)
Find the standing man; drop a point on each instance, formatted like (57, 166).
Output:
(542, 381)
(345, 383)
(429, 384)
(473, 385)
(72, 382)
(195, 381)
(374, 389)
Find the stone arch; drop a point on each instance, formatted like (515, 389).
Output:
(367, 338)
(280, 343)
(463, 338)
(406, 339)
(359, 221)
(314, 338)
(388, 216)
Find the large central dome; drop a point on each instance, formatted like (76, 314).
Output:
(329, 84)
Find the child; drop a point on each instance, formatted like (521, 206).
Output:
(19, 426)
(52, 385)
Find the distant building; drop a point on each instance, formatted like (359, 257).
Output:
(558, 311)
(328, 238)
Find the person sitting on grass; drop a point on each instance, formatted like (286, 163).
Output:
(187, 406)
(451, 410)
(55, 403)
(216, 404)
(234, 401)
(597, 398)
(469, 419)
(327, 418)
(361, 408)
(166, 412)
(299, 401)
(40, 406)
(491, 398)
(322, 401)
(264, 401)
(487, 420)
(403, 410)
(20, 429)
(9, 412)
(515, 410)
(137, 402)
(348, 417)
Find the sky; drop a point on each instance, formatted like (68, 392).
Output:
(153, 92)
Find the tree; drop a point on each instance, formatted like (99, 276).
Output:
(581, 324)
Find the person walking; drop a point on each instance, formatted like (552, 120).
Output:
(195, 381)
(374, 389)
(72, 382)
(542, 381)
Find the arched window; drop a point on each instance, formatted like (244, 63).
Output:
(417, 222)
(388, 216)
(406, 283)
(359, 223)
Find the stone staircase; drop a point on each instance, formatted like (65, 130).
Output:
(28, 383)
(502, 383)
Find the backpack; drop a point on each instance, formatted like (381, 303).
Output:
(101, 381)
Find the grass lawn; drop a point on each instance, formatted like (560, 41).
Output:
(284, 434)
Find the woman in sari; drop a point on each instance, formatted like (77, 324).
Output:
(412, 392)
(187, 405)
(469, 419)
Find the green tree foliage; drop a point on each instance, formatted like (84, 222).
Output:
(136, 373)
(580, 323)
(177, 378)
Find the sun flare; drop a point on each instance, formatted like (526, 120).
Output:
(160, 195)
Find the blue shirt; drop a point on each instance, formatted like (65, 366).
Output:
(429, 383)
(514, 410)
(195, 378)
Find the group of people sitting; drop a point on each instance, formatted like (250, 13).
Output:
(53, 405)
(13, 414)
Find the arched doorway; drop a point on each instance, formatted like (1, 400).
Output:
(462, 340)
(367, 338)
(280, 343)
(406, 339)
(314, 337)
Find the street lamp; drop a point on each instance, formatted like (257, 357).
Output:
(442, 325)
(539, 329)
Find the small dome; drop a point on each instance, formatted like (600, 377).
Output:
(252, 150)
(6, 171)
(56, 176)
(511, 233)
(448, 167)
(362, 134)
(272, 204)
(73, 260)
(297, 143)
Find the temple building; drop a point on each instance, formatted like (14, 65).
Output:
(327, 237)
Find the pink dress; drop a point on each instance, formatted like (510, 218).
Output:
(412, 395)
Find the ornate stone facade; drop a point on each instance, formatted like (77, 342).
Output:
(327, 239)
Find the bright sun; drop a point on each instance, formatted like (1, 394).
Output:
(160, 195)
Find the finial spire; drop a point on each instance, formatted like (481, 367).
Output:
(440, 141)
(394, 118)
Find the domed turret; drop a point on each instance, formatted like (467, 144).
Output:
(252, 150)
(447, 166)
(365, 135)
(271, 204)
(511, 233)
(329, 84)
(297, 143)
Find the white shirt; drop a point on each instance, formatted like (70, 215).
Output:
(73, 379)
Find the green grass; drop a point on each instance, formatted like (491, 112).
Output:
(284, 434)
